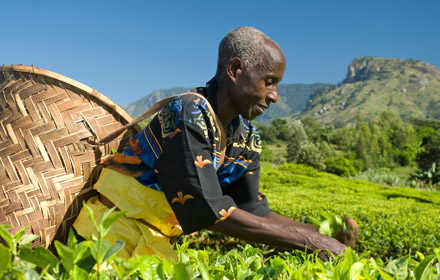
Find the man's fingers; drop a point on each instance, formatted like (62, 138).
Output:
(349, 236)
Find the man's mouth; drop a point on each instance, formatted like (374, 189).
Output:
(262, 108)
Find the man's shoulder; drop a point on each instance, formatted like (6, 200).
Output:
(188, 101)
(190, 108)
(249, 133)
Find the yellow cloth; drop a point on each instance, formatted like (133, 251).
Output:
(139, 202)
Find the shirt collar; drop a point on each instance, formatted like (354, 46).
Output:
(211, 93)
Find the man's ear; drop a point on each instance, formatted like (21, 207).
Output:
(235, 68)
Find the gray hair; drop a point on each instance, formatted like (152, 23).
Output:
(245, 43)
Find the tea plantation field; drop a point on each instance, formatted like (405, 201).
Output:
(393, 221)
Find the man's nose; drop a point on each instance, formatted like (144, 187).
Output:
(273, 95)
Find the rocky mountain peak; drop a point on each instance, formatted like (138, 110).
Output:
(408, 87)
(361, 69)
(366, 68)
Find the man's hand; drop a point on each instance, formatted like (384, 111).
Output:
(349, 236)
(277, 230)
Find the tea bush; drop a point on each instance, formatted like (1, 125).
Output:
(340, 166)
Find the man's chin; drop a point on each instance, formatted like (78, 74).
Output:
(253, 116)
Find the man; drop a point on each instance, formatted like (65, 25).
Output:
(170, 178)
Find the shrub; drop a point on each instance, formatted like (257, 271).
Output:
(426, 179)
(266, 154)
(407, 155)
(383, 176)
(340, 166)
(300, 150)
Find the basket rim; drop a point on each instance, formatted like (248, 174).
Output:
(84, 88)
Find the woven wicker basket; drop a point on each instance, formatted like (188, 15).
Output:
(48, 160)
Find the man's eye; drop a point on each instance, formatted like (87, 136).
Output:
(269, 82)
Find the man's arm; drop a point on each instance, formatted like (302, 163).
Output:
(279, 218)
(276, 230)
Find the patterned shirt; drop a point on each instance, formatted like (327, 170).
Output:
(178, 153)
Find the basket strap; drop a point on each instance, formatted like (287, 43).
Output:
(160, 105)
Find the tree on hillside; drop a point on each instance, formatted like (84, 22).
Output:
(345, 139)
(363, 148)
(277, 131)
(430, 152)
(386, 142)
(316, 132)
(301, 150)
(428, 156)
(268, 133)
(282, 129)
(297, 140)
(402, 137)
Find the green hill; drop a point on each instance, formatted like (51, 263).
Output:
(136, 108)
(292, 100)
(406, 87)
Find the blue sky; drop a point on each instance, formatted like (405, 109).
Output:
(127, 49)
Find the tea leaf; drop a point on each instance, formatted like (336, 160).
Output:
(31, 274)
(108, 219)
(148, 268)
(423, 269)
(398, 268)
(112, 250)
(89, 213)
(80, 250)
(29, 238)
(356, 270)
(40, 256)
(6, 235)
(66, 255)
(182, 272)
(71, 239)
(19, 235)
(79, 273)
(5, 259)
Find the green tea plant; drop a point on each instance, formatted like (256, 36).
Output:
(76, 260)
(11, 266)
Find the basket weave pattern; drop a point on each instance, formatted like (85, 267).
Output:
(48, 159)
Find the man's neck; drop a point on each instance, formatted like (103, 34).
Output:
(225, 111)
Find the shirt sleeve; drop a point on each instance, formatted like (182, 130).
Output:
(245, 191)
(186, 172)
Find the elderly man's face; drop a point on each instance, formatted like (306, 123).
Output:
(257, 88)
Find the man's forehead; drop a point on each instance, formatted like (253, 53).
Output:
(272, 51)
(272, 55)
